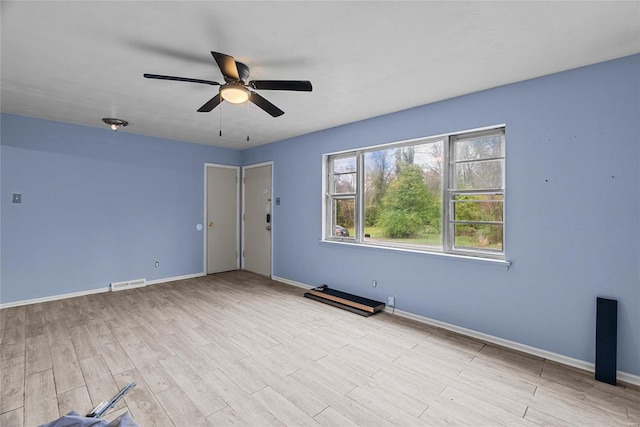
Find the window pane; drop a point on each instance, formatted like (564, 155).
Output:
(402, 194)
(344, 164)
(482, 207)
(378, 171)
(479, 148)
(478, 236)
(344, 215)
(344, 183)
(481, 175)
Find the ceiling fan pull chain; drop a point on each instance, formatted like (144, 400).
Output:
(248, 123)
(221, 120)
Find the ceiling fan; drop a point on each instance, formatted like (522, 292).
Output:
(237, 86)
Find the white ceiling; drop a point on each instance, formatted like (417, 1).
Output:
(78, 62)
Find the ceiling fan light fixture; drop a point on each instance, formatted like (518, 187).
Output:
(115, 124)
(235, 94)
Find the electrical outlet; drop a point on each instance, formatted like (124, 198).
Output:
(374, 283)
(391, 301)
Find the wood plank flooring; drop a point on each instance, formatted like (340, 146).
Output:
(239, 349)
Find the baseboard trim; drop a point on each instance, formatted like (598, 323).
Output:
(173, 279)
(92, 291)
(628, 378)
(54, 297)
(291, 282)
(554, 357)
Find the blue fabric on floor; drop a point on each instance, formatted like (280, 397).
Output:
(73, 419)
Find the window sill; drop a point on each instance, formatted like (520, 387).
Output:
(489, 262)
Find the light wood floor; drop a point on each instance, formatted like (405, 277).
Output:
(239, 349)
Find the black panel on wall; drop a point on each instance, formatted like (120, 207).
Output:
(606, 340)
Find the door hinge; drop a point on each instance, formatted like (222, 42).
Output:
(244, 217)
(243, 254)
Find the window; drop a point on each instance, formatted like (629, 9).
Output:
(443, 194)
(343, 195)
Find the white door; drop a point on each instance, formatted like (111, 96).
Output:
(257, 222)
(222, 218)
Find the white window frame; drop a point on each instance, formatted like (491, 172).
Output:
(331, 196)
(447, 195)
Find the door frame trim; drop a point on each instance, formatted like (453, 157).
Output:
(242, 213)
(205, 268)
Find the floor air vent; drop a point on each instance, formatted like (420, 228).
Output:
(121, 286)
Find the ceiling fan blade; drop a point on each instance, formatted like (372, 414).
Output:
(210, 104)
(227, 65)
(297, 85)
(181, 79)
(265, 105)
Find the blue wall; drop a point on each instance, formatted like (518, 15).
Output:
(97, 207)
(572, 212)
